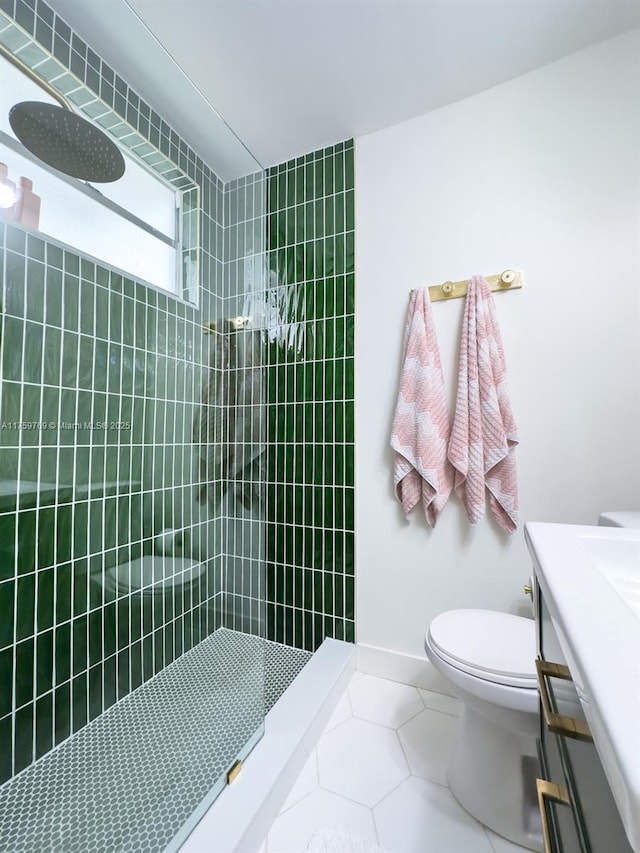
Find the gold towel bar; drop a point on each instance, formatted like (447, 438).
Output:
(508, 280)
(233, 324)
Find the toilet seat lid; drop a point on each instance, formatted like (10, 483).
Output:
(496, 646)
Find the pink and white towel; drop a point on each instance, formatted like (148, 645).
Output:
(484, 433)
(420, 432)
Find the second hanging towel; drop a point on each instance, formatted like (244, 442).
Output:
(484, 433)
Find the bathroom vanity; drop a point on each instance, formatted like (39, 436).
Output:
(587, 598)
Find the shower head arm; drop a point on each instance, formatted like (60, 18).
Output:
(35, 77)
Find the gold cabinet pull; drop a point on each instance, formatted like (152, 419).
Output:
(558, 723)
(554, 793)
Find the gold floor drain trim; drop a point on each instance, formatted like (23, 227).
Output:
(234, 771)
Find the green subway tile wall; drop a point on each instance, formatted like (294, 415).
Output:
(83, 345)
(310, 392)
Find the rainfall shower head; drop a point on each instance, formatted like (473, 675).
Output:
(61, 138)
(66, 141)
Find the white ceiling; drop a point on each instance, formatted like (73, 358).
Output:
(291, 76)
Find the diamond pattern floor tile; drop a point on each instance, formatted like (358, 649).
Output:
(361, 761)
(387, 703)
(420, 816)
(356, 761)
(427, 741)
(292, 831)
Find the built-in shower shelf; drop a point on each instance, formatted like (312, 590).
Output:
(106, 489)
(28, 494)
(132, 778)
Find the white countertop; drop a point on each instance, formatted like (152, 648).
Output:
(590, 578)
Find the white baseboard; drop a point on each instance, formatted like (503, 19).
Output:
(407, 669)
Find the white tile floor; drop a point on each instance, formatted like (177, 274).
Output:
(378, 773)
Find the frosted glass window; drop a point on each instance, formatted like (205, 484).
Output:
(81, 222)
(135, 224)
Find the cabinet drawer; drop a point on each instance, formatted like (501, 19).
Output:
(564, 835)
(595, 806)
(572, 759)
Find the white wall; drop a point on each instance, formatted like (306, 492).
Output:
(539, 174)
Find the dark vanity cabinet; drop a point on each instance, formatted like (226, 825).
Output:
(578, 811)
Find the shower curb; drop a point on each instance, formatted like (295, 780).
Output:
(241, 816)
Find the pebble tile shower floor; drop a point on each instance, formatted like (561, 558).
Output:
(131, 779)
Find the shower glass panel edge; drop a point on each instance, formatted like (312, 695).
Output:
(233, 464)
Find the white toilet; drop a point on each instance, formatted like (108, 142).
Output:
(488, 658)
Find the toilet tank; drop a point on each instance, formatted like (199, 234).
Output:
(620, 519)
